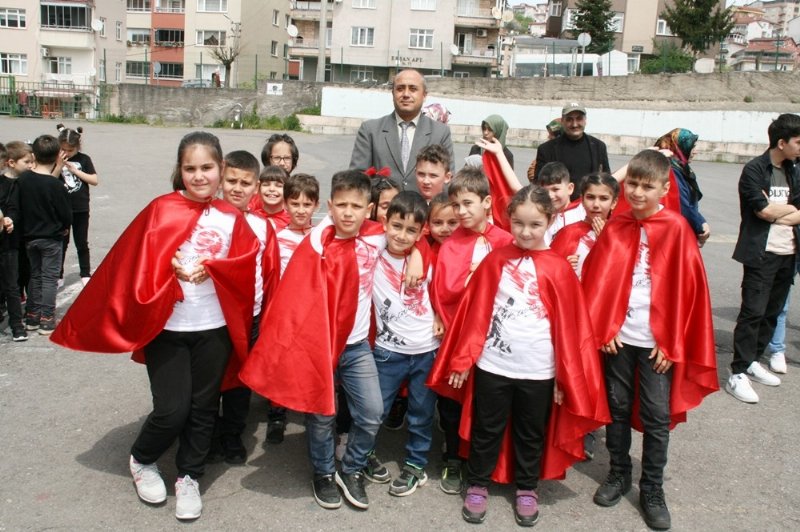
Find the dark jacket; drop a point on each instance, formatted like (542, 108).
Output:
(9, 204)
(753, 185)
(551, 150)
(44, 206)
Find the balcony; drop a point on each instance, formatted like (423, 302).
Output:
(467, 17)
(477, 57)
(58, 38)
(307, 11)
(307, 48)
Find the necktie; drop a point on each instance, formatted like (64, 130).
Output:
(405, 147)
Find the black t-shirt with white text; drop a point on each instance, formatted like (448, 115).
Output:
(77, 189)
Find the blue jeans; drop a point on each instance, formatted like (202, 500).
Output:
(44, 255)
(359, 380)
(778, 342)
(393, 369)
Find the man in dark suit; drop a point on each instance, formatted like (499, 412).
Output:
(395, 139)
(581, 153)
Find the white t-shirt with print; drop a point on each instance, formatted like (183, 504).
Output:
(519, 344)
(404, 316)
(563, 219)
(200, 309)
(288, 240)
(585, 245)
(636, 328)
(780, 239)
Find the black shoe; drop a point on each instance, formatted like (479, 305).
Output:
(654, 508)
(375, 471)
(18, 334)
(353, 488)
(235, 452)
(325, 492)
(611, 491)
(32, 321)
(275, 431)
(397, 414)
(47, 326)
(588, 446)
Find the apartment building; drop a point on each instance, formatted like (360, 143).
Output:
(538, 15)
(170, 42)
(61, 42)
(779, 12)
(370, 40)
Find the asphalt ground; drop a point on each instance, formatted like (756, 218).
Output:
(67, 419)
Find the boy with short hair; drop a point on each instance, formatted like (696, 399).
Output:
(647, 294)
(45, 213)
(407, 336)
(269, 199)
(555, 178)
(432, 171)
(769, 199)
(458, 257)
(295, 362)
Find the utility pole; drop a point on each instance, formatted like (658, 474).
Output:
(323, 38)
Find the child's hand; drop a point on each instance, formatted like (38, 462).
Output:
(558, 395)
(177, 267)
(438, 327)
(598, 224)
(612, 347)
(199, 274)
(457, 379)
(8, 224)
(573, 261)
(661, 365)
(414, 274)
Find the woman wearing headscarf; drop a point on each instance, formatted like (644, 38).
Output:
(494, 127)
(681, 142)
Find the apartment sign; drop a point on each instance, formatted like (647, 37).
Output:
(400, 60)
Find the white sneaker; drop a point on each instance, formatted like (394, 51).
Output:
(59, 284)
(85, 280)
(149, 484)
(739, 386)
(189, 505)
(341, 447)
(777, 363)
(757, 373)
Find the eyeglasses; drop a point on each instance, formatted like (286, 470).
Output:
(286, 159)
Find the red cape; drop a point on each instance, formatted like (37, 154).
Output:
(281, 218)
(306, 325)
(579, 371)
(132, 294)
(452, 267)
(499, 189)
(567, 239)
(671, 201)
(680, 309)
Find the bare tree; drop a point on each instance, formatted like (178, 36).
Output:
(226, 55)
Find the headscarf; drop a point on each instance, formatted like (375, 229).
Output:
(498, 126)
(681, 142)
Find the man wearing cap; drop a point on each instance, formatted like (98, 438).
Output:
(394, 140)
(582, 154)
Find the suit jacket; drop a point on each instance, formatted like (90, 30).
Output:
(378, 144)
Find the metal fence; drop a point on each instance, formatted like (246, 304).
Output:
(50, 99)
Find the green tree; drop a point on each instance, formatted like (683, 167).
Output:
(699, 23)
(594, 17)
(668, 57)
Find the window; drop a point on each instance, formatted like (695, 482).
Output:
(216, 6)
(102, 26)
(171, 6)
(205, 70)
(420, 39)
(59, 65)
(14, 64)
(210, 38)
(273, 48)
(460, 74)
(12, 18)
(617, 23)
(168, 38)
(101, 70)
(362, 36)
(118, 30)
(273, 74)
(555, 9)
(171, 70)
(364, 4)
(117, 71)
(662, 28)
(468, 8)
(568, 22)
(65, 17)
(138, 5)
(288, 21)
(633, 63)
(426, 5)
(139, 35)
(275, 17)
(361, 72)
(137, 69)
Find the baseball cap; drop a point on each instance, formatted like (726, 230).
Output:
(571, 107)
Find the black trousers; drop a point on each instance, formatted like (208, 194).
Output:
(450, 420)
(80, 234)
(527, 403)
(185, 370)
(764, 292)
(622, 371)
(9, 289)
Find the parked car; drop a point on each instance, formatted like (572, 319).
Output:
(196, 83)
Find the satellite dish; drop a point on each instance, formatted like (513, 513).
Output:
(584, 40)
(497, 13)
(156, 68)
(292, 31)
(97, 24)
(454, 49)
(508, 16)
(704, 66)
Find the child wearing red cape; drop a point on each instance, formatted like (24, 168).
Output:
(184, 330)
(527, 408)
(646, 290)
